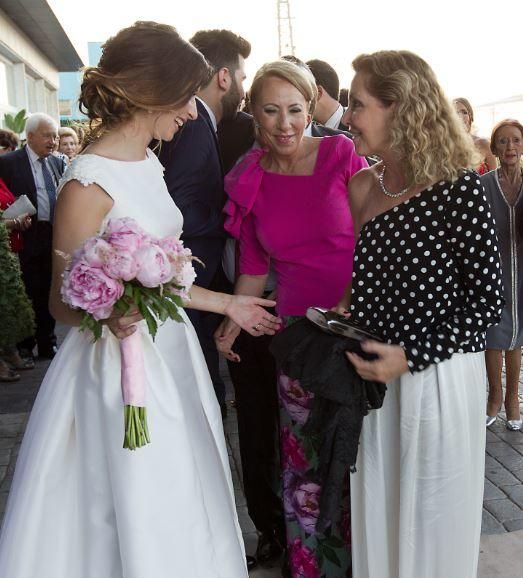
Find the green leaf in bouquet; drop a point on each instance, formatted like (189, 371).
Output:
(155, 298)
(89, 323)
(159, 305)
(171, 308)
(152, 326)
(122, 306)
(163, 314)
(177, 317)
(175, 304)
(177, 300)
(137, 295)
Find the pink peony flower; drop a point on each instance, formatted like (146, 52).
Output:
(295, 399)
(154, 267)
(293, 455)
(126, 234)
(95, 251)
(185, 275)
(89, 288)
(173, 247)
(121, 265)
(303, 560)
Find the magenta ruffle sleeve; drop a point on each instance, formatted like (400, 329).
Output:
(242, 184)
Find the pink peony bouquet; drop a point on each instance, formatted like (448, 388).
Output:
(124, 267)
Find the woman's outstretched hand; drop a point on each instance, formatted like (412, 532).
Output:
(249, 313)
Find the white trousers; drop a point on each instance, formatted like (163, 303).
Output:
(417, 495)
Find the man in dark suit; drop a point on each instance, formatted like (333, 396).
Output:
(194, 175)
(35, 172)
(328, 111)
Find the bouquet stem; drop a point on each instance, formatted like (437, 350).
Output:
(136, 431)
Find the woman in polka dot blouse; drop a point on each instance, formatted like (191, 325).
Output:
(427, 279)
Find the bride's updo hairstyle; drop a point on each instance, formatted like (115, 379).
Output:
(147, 66)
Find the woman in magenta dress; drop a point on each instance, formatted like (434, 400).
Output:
(288, 208)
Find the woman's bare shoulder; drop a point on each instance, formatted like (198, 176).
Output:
(364, 179)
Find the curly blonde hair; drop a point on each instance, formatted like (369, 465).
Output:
(147, 66)
(426, 131)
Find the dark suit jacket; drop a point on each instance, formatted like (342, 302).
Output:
(194, 177)
(15, 170)
(235, 138)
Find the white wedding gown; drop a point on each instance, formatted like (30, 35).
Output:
(81, 506)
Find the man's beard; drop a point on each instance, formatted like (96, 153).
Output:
(231, 102)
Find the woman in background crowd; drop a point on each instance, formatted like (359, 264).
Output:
(504, 188)
(427, 280)
(465, 112)
(8, 141)
(68, 142)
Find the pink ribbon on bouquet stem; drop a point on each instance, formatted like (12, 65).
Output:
(133, 376)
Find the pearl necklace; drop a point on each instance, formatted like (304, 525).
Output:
(385, 191)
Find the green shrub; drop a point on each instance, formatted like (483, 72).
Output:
(16, 312)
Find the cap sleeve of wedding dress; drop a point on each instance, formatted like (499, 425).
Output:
(137, 189)
(81, 506)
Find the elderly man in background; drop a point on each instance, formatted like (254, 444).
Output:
(34, 171)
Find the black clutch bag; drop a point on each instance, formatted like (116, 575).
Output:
(332, 322)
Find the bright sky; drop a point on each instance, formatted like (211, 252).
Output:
(474, 46)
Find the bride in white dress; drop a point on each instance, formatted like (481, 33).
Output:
(81, 506)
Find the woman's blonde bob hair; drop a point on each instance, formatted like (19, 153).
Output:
(425, 129)
(67, 131)
(299, 77)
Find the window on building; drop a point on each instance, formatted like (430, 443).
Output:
(32, 102)
(7, 84)
(51, 102)
(66, 107)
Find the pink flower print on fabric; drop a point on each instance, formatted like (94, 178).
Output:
(301, 501)
(293, 454)
(295, 399)
(303, 561)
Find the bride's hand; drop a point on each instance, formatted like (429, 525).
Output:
(123, 325)
(248, 313)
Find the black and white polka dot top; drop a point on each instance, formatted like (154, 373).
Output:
(427, 273)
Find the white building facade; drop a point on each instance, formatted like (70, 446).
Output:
(33, 50)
